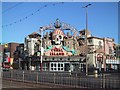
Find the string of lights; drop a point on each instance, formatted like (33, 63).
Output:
(12, 7)
(33, 13)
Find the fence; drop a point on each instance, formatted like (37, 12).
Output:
(76, 80)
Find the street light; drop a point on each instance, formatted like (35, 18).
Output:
(87, 15)
(86, 7)
(41, 32)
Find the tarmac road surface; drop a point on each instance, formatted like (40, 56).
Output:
(16, 84)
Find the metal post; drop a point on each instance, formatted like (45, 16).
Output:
(73, 44)
(30, 63)
(41, 63)
(37, 77)
(41, 32)
(86, 44)
(103, 76)
(54, 79)
(19, 62)
(86, 37)
(11, 75)
(23, 76)
(104, 58)
(76, 80)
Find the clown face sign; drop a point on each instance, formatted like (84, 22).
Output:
(58, 36)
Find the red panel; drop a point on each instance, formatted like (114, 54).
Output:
(8, 59)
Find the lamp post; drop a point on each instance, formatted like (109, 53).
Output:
(41, 32)
(86, 7)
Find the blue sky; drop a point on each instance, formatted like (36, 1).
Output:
(102, 18)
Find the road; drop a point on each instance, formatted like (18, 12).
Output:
(13, 85)
(16, 84)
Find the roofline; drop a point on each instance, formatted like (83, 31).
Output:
(11, 42)
(94, 37)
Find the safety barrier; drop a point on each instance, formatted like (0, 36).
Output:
(76, 80)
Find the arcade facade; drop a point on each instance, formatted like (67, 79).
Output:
(56, 48)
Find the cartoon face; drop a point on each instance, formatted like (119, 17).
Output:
(58, 39)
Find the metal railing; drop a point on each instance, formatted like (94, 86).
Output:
(76, 80)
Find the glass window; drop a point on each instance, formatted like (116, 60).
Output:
(54, 68)
(55, 65)
(52, 65)
(100, 43)
(58, 64)
(58, 68)
(61, 65)
(61, 68)
(90, 40)
(110, 50)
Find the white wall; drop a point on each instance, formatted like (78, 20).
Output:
(92, 60)
(94, 45)
(31, 44)
(95, 41)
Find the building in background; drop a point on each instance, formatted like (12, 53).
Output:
(101, 53)
(95, 52)
(117, 54)
(112, 63)
(8, 50)
(117, 51)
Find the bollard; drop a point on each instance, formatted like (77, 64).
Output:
(23, 76)
(76, 80)
(103, 75)
(96, 73)
(36, 77)
(54, 79)
(70, 72)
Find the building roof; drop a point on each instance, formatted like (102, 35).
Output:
(94, 37)
(34, 34)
